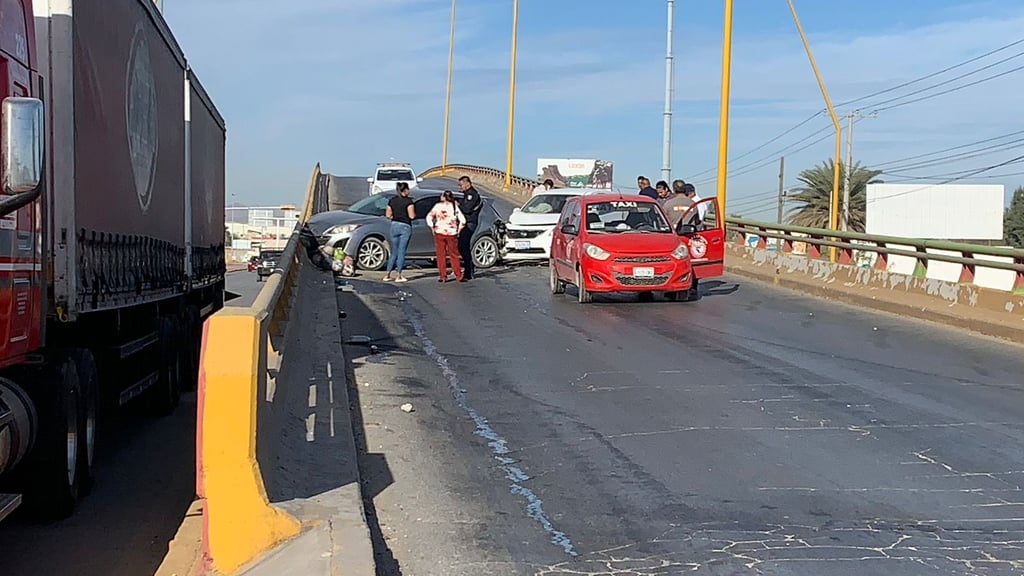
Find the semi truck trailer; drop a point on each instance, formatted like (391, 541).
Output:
(111, 234)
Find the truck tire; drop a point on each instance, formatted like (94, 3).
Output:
(52, 490)
(166, 394)
(89, 386)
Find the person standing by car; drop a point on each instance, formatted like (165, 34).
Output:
(643, 184)
(401, 212)
(447, 221)
(470, 205)
(677, 204)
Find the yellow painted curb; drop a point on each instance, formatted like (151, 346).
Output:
(240, 523)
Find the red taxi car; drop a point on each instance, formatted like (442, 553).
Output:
(624, 243)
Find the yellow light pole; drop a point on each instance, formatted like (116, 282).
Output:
(448, 94)
(723, 122)
(512, 96)
(834, 204)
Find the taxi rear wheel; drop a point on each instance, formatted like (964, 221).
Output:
(582, 295)
(557, 286)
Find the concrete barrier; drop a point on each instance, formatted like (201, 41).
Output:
(239, 523)
(925, 296)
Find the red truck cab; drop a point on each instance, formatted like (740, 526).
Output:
(21, 171)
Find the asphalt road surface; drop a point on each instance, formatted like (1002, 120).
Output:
(756, 431)
(145, 484)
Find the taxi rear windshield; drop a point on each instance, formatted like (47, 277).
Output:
(626, 216)
(394, 175)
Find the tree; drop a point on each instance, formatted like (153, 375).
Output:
(814, 197)
(1013, 220)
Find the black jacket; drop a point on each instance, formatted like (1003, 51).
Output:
(470, 205)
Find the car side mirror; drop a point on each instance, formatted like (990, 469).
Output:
(420, 179)
(569, 229)
(370, 180)
(517, 209)
(687, 229)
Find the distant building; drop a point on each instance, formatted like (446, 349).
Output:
(253, 227)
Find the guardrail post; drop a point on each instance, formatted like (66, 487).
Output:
(967, 270)
(1018, 285)
(762, 238)
(921, 267)
(813, 249)
(846, 256)
(882, 261)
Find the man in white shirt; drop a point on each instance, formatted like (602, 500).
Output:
(691, 192)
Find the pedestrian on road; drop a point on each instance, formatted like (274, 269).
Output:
(470, 205)
(447, 221)
(401, 213)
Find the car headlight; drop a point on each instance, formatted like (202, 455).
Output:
(681, 252)
(341, 229)
(596, 252)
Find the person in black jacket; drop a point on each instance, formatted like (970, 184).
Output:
(643, 184)
(470, 204)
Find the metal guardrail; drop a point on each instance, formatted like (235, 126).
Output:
(846, 243)
(520, 185)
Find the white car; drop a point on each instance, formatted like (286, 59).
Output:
(389, 174)
(528, 230)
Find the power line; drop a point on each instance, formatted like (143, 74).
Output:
(884, 91)
(948, 174)
(948, 80)
(951, 90)
(932, 75)
(975, 172)
(958, 147)
(988, 150)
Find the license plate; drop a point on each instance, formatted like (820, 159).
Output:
(643, 272)
(522, 245)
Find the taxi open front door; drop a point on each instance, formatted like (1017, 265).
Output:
(705, 229)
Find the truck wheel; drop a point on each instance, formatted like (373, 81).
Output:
(89, 397)
(166, 394)
(53, 488)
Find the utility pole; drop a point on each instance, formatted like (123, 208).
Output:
(782, 190)
(448, 92)
(666, 150)
(512, 95)
(848, 169)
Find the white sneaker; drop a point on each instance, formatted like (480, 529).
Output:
(401, 279)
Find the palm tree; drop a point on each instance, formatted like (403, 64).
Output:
(814, 197)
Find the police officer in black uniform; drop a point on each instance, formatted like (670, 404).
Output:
(470, 206)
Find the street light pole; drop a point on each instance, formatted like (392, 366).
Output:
(448, 93)
(512, 96)
(723, 122)
(666, 150)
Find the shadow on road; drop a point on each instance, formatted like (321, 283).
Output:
(145, 485)
(368, 341)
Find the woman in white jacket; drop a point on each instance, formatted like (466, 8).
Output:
(447, 221)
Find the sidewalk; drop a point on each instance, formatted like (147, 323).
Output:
(305, 444)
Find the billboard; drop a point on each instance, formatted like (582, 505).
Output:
(936, 212)
(575, 173)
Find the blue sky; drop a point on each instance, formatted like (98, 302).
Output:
(349, 83)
